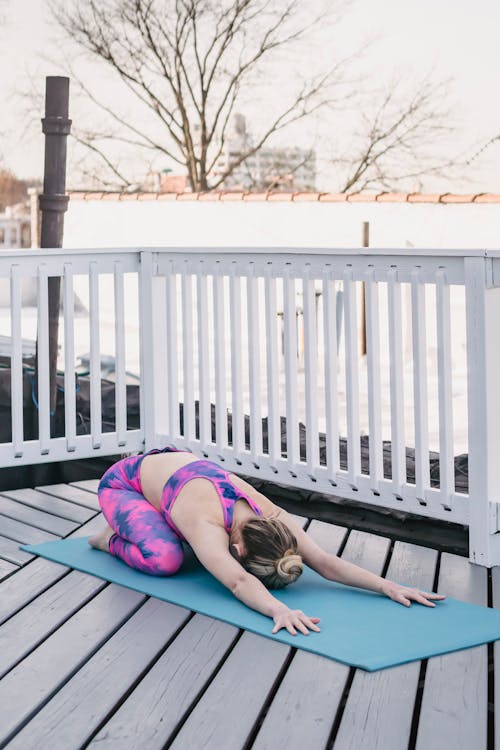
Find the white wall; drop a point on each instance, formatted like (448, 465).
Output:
(135, 223)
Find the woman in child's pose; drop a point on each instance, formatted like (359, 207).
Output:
(154, 502)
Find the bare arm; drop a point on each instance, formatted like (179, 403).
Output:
(335, 569)
(210, 545)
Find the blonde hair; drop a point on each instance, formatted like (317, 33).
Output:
(271, 552)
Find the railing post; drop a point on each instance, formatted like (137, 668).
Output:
(483, 365)
(152, 338)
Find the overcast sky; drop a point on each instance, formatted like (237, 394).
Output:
(459, 38)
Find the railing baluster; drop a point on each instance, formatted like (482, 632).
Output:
(69, 359)
(446, 461)
(273, 419)
(150, 371)
(238, 427)
(352, 377)
(205, 418)
(422, 469)
(16, 362)
(95, 358)
(373, 367)
(220, 363)
(188, 355)
(290, 330)
(311, 375)
(43, 361)
(398, 449)
(120, 374)
(254, 366)
(172, 353)
(331, 378)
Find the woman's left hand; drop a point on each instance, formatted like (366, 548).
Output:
(405, 595)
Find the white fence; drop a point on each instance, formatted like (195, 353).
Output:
(243, 359)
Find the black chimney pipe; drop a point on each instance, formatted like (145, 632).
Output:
(54, 202)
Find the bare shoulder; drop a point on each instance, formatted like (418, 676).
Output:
(268, 508)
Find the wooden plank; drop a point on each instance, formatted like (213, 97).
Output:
(77, 710)
(313, 685)
(166, 693)
(10, 552)
(367, 550)
(34, 578)
(6, 568)
(23, 532)
(37, 518)
(38, 677)
(385, 699)
(73, 494)
(239, 690)
(29, 627)
(90, 485)
(304, 708)
(454, 704)
(50, 504)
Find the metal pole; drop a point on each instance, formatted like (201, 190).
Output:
(53, 201)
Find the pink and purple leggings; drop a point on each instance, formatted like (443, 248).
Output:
(143, 539)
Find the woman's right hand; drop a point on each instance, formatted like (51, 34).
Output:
(293, 620)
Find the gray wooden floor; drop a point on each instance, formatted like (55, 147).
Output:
(85, 663)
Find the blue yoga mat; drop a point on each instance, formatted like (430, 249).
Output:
(359, 628)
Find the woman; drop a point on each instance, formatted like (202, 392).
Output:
(154, 502)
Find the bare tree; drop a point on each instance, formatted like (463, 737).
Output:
(485, 146)
(401, 138)
(12, 189)
(188, 62)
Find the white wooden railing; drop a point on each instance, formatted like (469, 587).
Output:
(215, 330)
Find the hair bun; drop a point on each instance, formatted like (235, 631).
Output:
(289, 567)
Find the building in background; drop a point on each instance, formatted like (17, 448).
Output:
(289, 169)
(15, 226)
(284, 169)
(165, 181)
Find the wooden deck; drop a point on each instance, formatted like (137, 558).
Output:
(85, 663)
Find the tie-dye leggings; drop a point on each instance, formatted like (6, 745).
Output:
(143, 539)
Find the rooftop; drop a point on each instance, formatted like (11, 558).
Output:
(85, 663)
(446, 198)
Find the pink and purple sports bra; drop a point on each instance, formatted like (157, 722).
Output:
(202, 469)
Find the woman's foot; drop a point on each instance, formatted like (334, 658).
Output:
(101, 540)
